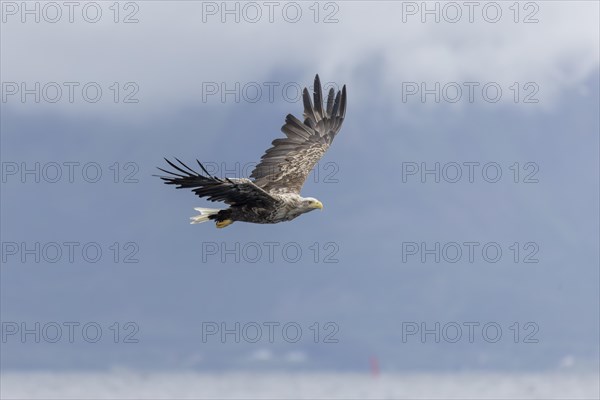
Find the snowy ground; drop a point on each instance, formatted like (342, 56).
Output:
(129, 385)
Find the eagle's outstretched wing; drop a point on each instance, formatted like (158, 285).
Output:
(286, 165)
(234, 191)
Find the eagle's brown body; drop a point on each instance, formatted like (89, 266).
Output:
(286, 208)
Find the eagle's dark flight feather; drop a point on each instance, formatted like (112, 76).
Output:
(234, 191)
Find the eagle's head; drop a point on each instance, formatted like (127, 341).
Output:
(309, 204)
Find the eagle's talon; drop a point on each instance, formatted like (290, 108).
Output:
(224, 223)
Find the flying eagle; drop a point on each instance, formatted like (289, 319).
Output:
(272, 194)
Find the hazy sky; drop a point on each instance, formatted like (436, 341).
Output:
(461, 196)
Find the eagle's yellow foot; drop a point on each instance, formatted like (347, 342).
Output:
(223, 224)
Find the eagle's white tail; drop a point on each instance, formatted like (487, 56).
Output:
(204, 214)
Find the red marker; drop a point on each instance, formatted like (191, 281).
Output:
(374, 366)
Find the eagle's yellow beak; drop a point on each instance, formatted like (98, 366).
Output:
(318, 204)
